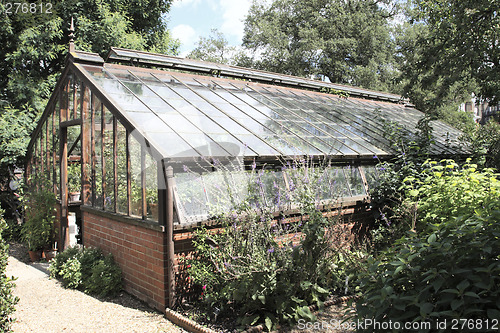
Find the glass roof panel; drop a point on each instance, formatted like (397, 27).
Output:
(222, 117)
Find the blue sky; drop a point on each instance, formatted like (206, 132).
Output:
(190, 19)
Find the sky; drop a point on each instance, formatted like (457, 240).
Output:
(190, 19)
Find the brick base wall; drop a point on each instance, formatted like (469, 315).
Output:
(139, 250)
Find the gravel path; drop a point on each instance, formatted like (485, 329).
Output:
(45, 306)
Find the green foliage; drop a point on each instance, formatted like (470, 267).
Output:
(445, 191)
(262, 268)
(485, 142)
(39, 206)
(7, 299)
(448, 266)
(346, 41)
(388, 195)
(15, 128)
(213, 48)
(87, 270)
(448, 51)
(12, 231)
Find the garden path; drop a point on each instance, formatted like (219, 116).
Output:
(45, 306)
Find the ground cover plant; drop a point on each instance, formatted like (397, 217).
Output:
(7, 299)
(447, 265)
(261, 267)
(88, 270)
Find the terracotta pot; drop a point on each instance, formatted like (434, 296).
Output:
(34, 256)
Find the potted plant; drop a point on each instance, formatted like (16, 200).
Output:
(74, 181)
(37, 229)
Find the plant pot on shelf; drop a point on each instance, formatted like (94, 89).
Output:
(74, 196)
(34, 255)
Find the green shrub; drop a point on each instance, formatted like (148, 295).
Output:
(12, 231)
(448, 265)
(105, 278)
(265, 270)
(7, 299)
(39, 206)
(87, 270)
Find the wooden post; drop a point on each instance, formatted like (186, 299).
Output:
(115, 163)
(170, 238)
(143, 182)
(129, 178)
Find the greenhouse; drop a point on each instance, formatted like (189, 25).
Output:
(139, 149)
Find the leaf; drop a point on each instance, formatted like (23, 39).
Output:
(493, 314)
(426, 308)
(462, 285)
(456, 303)
(472, 294)
(262, 299)
(269, 323)
(305, 312)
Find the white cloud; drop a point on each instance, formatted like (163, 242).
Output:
(233, 17)
(186, 34)
(194, 4)
(184, 3)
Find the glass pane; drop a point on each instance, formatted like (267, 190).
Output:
(121, 169)
(152, 188)
(371, 176)
(135, 174)
(355, 181)
(42, 153)
(192, 196)
(50, 149)
(78, 91)
(216, 186)
(274, 189)
(87, 196)
(97, 138)
(57, 170)
(339, 186)
(109, 200)
(71, 96)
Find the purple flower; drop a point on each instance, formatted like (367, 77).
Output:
(271, 250)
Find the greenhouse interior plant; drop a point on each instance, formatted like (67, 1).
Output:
(74, 178)
(38, 228)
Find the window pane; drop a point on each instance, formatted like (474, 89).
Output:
(339, 187)
(371, 176)
(97, 138)
(355, 181)
(121, 170)
(135, 174)
(190, 189)
(109, 200)
(152, 188)
(87, 197)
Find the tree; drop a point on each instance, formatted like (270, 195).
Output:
(346, 41)
(34, 47)
(36, 44)
(456, 50)
(213, 48)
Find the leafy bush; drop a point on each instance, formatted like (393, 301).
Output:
(37, 229)
(263, 268)
(7, 299)
(12, 231)
(448, 266)
(87, 270)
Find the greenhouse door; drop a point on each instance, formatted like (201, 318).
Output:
(71, 183)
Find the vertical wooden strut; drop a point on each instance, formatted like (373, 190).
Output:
(170, 238)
